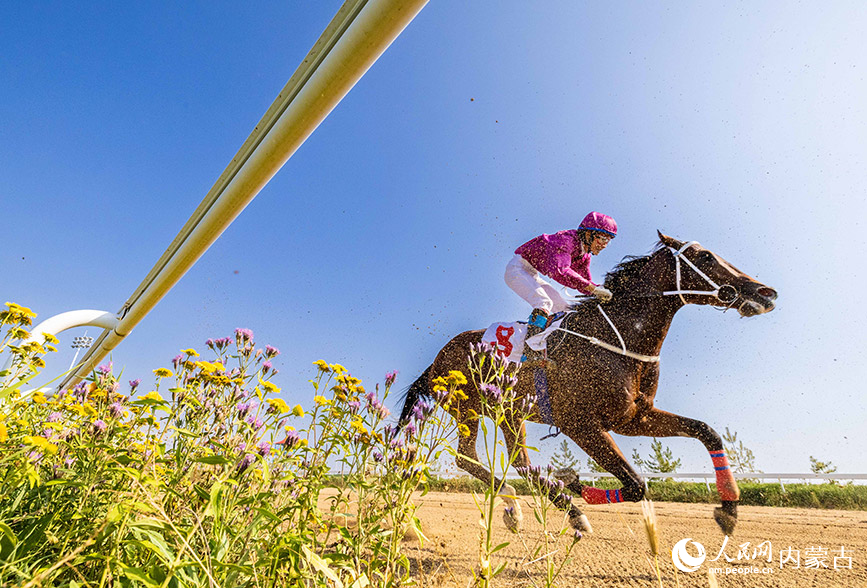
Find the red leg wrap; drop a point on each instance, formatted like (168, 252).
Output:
(599, 496)
(725, 481)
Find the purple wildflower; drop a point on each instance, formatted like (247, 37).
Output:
(54, 417)
(105, 368)
(354, 405)
(210, 343)
(410, 430)
(99, 427)
(377, 456)
(133, 384)
(271, 351)
(243, 408)
(178, 360)
(267, 367)
(292, 439)
(116, 410)
(263, 448)
(244, 463)
(243, 336)
(390, 377)
(80, 391)
(491, 393)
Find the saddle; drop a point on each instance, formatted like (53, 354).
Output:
(508, 338)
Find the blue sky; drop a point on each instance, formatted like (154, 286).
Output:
(735, 125)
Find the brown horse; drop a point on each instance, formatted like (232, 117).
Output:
(603, 370)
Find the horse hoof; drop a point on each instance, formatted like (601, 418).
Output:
(511, 519)
(513, 516)
(725, 521)
(579, 522)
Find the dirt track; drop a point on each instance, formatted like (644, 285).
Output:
(617, 553)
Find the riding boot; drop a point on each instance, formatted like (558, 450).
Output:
(537, 323)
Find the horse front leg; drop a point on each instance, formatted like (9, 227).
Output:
(659, 423)
(516, 441)
(600, 446)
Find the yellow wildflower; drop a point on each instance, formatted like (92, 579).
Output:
(208, 367)
(322, 365)
(42, 443)
(337, 368)
(51, 348)
(37, 362)
(463, 430)
(4, 434)
(163, 373)
(191, 352)
(38, 397)
(88, 408)
(270, 387)
(298, 411)
(49, 338)
(279, 405)
(456, 378)
(321, 400)
(152, 395)
(18, 333)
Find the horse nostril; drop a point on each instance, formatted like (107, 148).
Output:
(768, 293)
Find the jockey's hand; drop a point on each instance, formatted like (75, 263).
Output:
(602, 294)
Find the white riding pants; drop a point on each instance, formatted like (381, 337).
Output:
(529, 285)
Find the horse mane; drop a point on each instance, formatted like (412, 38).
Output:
(622, 278)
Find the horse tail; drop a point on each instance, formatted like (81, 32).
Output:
(417, 390)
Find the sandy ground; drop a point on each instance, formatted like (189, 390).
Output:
(617, 553)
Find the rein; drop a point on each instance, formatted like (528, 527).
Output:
(726, 294)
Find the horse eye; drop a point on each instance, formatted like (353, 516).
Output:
(706, 257)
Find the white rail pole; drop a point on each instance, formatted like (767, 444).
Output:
(68, 320)
(360, 32)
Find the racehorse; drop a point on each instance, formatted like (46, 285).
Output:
(603, 371)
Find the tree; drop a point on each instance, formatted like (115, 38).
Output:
(741, 458)
(821, 467)
(595, 467)
(564, 459)
(661, 460)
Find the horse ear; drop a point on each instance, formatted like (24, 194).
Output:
(669, 241)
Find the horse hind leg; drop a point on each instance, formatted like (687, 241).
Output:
(468, 460)
(516, 440)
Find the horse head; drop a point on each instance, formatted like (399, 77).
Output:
(700, 276)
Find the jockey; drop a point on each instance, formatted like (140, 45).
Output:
(565, 258)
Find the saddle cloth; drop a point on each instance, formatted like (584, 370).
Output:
(508, 338)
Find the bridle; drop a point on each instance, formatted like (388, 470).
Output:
(727, 294)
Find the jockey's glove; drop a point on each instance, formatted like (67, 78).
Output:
(602, 294)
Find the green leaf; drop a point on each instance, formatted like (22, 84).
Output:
(416, 526)
(212, 460)
(7, 530)
(320, 565)
(136, 574)
(499, 547)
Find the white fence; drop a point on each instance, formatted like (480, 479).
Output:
(708, 477)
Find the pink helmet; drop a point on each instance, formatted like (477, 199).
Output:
(596, 221)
